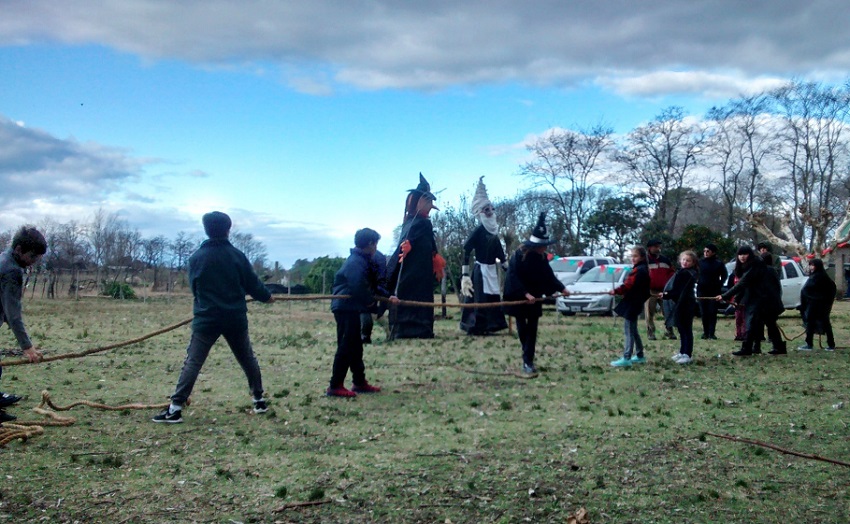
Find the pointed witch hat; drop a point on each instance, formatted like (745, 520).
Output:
(480, 200)
(539, 235)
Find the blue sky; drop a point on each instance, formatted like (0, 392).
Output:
(307, 121)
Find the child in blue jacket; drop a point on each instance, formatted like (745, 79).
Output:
(357, 280)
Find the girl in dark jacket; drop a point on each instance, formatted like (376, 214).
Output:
(682, 294)
(530, 277)
(816, 299)
(761, 296)
(635, 291)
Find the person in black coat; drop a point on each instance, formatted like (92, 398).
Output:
(529, 278)
(816, 300)
(635, 291)
(682, 295)
(712, 275)
(411, 269)
(761, 297)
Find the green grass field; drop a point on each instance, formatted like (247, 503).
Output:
(454, 437)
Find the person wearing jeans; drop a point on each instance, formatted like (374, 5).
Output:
(635, 291)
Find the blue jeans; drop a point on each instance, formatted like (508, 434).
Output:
(633, 341)
(526, 328)
(196, 355)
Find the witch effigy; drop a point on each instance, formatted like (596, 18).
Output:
(482, 284)
(414, 266)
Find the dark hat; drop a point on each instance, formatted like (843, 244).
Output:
(539, 235)
(764, 245)
(711, 247)
(424, 190)
(653, 242)
(216, 224)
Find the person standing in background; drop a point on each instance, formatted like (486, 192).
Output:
(660, 271)
(712, 275)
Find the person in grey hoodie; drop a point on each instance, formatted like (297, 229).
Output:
(28, 245)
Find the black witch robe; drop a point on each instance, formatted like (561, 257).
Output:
(413, 280)
(488, 248)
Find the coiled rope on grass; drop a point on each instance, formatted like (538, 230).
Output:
(23, 430)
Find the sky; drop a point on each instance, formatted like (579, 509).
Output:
(306, 121)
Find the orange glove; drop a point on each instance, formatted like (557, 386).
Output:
(439, 264)
(405, 249)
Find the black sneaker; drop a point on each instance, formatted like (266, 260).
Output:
(260, 406)
(6, 417)
(169, 417)
(7, 399)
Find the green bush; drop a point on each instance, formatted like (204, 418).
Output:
(119, 290)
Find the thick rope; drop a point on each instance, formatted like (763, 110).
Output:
(23, 430)
(92, 351)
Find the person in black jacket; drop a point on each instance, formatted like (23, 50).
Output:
(635, 291)
(712, 275)
(682, 295)
(357, 280)
(529, 278)
(761, 297)
(816, 300)
(220, 276)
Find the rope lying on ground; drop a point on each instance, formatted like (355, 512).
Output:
(25, 429)
(777, 448)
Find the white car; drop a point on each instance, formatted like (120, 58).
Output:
(569, 269)
(587, 294)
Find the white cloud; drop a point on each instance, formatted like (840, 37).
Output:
(380, 44)
(697, 83)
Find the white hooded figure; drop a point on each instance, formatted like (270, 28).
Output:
(482, 284)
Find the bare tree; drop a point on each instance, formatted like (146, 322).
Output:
(658, 158)
(254, 249)
(811, 146)
(153, 250)
(565, 163)
(736, 148)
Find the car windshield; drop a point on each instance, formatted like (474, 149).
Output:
(602, 274)
(564, 265)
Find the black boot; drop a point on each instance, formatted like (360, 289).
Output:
(779, 349)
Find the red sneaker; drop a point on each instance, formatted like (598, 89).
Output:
(366, 388)
(340, 391)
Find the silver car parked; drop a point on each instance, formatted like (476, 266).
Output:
(588, 293)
